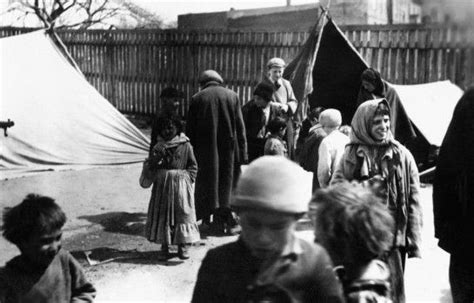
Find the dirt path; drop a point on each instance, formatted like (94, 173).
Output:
(106, 211)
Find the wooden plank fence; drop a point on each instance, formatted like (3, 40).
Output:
(131, 67)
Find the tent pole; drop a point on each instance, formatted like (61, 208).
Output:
(63, 49)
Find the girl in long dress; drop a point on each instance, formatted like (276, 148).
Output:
(172, 168)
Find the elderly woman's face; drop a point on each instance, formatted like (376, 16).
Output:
(380, 127)
(276, 73)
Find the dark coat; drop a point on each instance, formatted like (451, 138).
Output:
(217, 132)
(228, 274)
(254, 122)
(309, 155)
(453, 186)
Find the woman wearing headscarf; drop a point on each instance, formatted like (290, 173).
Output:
(373, 87)
(453, 198)
(373, 156)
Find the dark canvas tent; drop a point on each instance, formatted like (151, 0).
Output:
(327, 73)
(61, 121)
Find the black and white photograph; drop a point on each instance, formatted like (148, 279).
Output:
(237, 151)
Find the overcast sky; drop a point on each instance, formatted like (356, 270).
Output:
(169, 10)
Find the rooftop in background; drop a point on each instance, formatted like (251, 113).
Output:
(303, 17)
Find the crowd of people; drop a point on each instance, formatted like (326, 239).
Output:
(365, 204)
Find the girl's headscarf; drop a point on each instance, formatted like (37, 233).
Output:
(362, 124)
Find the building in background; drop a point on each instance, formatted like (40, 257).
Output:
(447, 11)
(303, 17)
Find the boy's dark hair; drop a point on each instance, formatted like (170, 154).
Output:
(35, 214)
(352, 222)
(163, 121)
(276, 124)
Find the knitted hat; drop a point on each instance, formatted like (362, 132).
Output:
(275, 62)
(274, 183)
(264, 90)
(210, 75)
(330, 117)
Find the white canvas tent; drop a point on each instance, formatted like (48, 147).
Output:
(430, 107)
(61, 121)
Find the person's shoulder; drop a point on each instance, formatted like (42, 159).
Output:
(228, 248)
(286, 82)
(249, 105)
(224, 254)
(15, 263)
(405, 153)
(314, 253)
(311, 248)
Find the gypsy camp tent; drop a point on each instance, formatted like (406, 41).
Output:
(327, 73)
(60, 120)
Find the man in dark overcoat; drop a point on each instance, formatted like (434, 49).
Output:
(453, 198)
(217, 133)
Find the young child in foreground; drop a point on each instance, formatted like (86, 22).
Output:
(172, 167)
(355, 227)
(269, 263)
(43, 272)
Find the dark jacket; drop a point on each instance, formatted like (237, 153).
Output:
(453, 186)
(254, 120)
(217, 132)
(228, 274)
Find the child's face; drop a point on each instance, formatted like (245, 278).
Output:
(266, 233)
(169, 132)
(42, 248)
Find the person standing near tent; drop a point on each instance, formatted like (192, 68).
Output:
(374, 156)
(257, 113)
(332, 146)
(311, 120)
(172, 169)
(284, 98)
(170, 100)
(373, 87)
(453, 198)
(217, 132)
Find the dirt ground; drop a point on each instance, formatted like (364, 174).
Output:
(106, 211)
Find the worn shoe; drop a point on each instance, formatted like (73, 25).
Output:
(183, 253)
